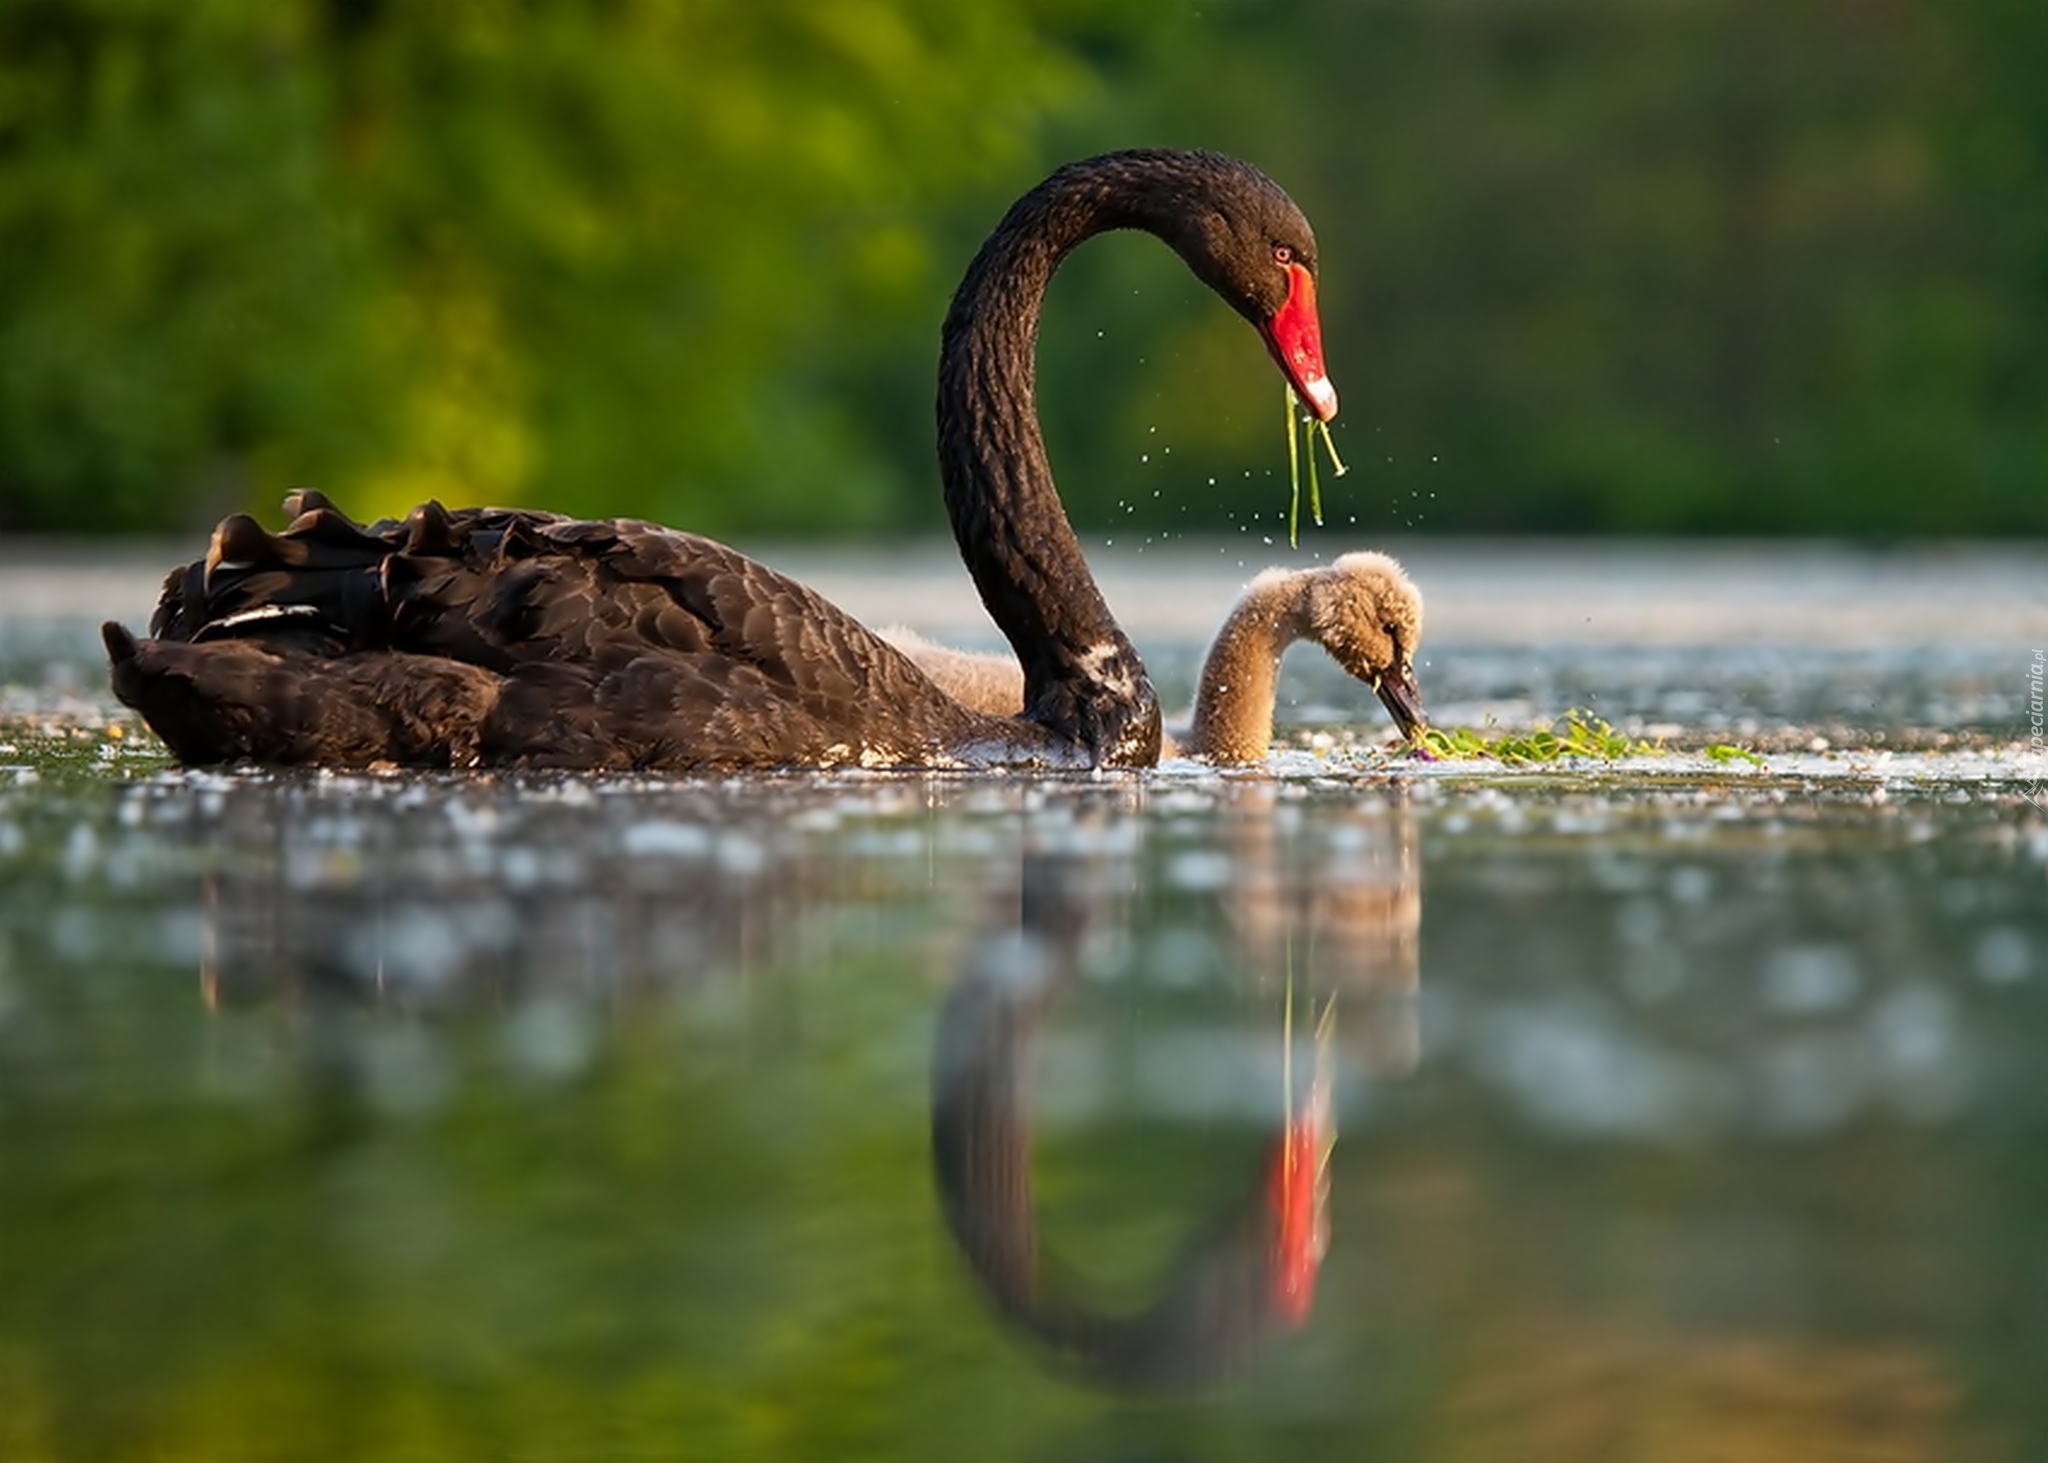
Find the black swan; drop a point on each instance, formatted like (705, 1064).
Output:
(1361, 608)
(496, 636)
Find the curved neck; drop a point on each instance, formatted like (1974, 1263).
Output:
(1082, 678)
(1233, 719)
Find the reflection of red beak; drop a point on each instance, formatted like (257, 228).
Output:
(1295, 336)
(1299, 1194)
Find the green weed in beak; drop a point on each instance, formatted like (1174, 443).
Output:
(1298, 421)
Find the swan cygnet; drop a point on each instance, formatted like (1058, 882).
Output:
(1362, 608)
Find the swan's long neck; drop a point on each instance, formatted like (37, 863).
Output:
(1082, 678)
(1233, 719)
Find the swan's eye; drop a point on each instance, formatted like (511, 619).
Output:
(1282, 254)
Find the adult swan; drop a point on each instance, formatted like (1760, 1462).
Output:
(506, 637)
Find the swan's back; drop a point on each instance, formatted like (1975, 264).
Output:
(579, 643)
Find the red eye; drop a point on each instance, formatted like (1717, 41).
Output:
(1282, 254)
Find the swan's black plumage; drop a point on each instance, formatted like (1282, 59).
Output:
(512, 637)
(502, 636)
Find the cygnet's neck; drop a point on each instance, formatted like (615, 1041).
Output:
(1233, 720)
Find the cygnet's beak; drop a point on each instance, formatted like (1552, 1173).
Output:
(1402, 698)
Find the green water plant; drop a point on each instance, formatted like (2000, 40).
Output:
(1577, 733)
(1300, 424)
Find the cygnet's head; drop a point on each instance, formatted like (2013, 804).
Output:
(1368, 614)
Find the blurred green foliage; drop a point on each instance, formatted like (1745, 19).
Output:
(1705, 265)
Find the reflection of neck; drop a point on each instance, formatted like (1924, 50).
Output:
(1233, 719)
(1221, 1301)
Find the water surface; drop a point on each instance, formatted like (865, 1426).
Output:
(1696, 1116)
(1356, 1107)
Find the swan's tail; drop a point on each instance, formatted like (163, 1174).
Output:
(277, 648)
(238, 698)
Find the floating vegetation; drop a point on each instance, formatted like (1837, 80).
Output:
(1299, 424)
(1575, 734)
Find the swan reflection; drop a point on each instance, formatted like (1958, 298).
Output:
(1257, 957)
(489, 894)
(1346, 901)
(1308, 925)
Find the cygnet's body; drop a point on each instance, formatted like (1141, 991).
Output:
(1361, 608)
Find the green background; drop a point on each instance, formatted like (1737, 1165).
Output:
(1732, 266)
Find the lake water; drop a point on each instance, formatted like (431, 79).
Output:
(1356, 1108)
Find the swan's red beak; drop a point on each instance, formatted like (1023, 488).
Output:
(1295, 336)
